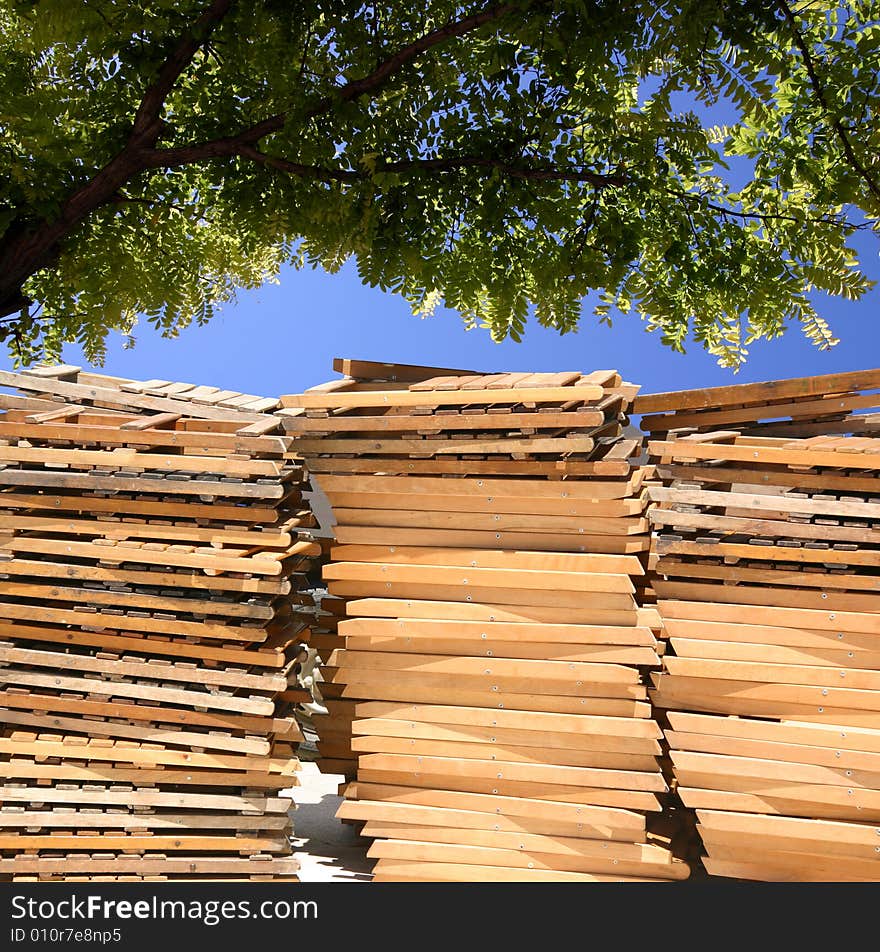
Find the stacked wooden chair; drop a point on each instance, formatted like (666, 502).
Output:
(490, 537)
(152, 535)
(767, 563)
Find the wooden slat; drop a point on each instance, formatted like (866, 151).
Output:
(764, 392)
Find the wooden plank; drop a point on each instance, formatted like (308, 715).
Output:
(132, 600)
(116, 398)
(127, 458)
(480, 577)
(471, 611)
(496, 487)
(112, 529)
(501, 596)
(457, 538)
(343, 501)
(118, 576)
(402, 813)
(452, 691)
(830, 404)
(523, 559)
(731, 638)
(630, 823)
(578, 444)
(146, 692)
(773, 597)
(75, 863)
(774, 750)
(611, 654)
(142, 733)
(41, 658)
(619, 728)
(475, 855)
(762, 451)
(836, 480)
(123, 753)
(394, 871)
(86, 796)
(775, 503)
(735, 773)
(409, 398)
(580, 525)
(120, 552)
(171, 485)
(217, 720)
(826, 803)
(53, 370)
(580, 848)
(804, 735)
(563, 671)
(764, 392)
(373, 370)
(508, 753)
(773, 576)
(62, 413)
(178, 509)
(837, 621)
(510, 739)
(150, 422)
(557, 469)
(122, 622)
(131, 841)
(770, 528)
(189, 441)
(73, 819)
(579, 418)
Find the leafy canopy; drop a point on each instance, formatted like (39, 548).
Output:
(497, 158)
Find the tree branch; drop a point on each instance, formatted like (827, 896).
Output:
(539, 173)
(167, 158)
(371, 83)
(148, 116)
(121, 199)
(36, 246)
(401, 58)
(766, 216)
(819, 90)
(316, 172)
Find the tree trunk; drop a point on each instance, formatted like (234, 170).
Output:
(26, 249)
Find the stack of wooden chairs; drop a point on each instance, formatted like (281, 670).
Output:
(151, 536)
(490, 536)
(767, 563)
(527, 629)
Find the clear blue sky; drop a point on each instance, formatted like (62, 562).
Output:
(283, 338)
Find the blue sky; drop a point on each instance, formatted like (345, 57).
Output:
(283, 338)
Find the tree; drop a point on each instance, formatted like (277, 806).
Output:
(704, 163)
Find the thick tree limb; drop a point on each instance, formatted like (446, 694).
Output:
(28, 249)
(34, 249)
(407, 54)
(819, 90)
(371, 83)
(149, 111)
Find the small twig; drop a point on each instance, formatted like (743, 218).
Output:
(821, 96)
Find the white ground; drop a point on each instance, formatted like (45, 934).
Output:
(328, 849)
